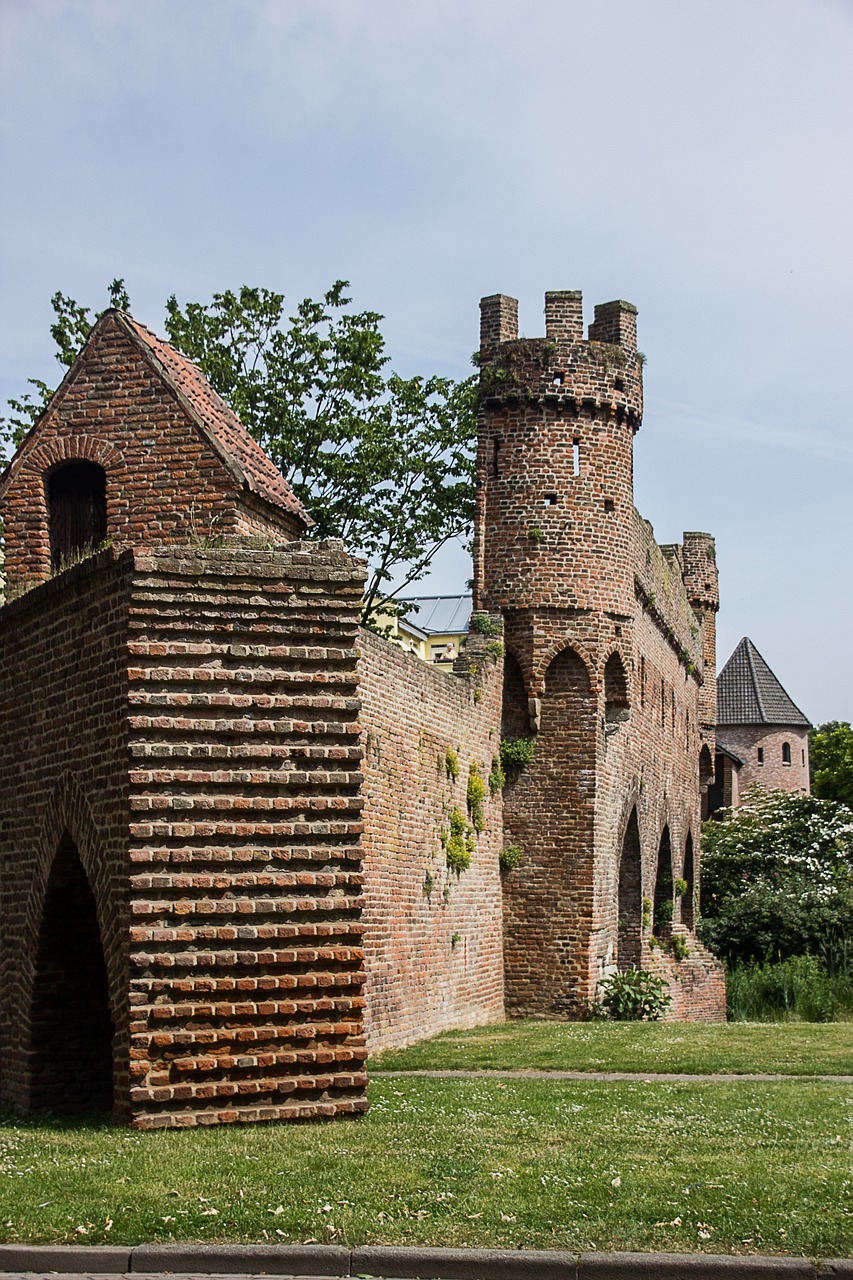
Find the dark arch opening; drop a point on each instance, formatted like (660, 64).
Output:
(77, 510)
(663, 886)
(71, 1066)
(706, 780)
(616, 705)
(629, 953)
(786, 753)
(688, 899)
(515, 717)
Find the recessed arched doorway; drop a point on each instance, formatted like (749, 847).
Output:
(71, 1067)
(630, 945)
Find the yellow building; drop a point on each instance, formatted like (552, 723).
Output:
(433, 628)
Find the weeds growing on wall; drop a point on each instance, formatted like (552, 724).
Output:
(497, 777)
(458, 842)
(476, 795)
(509, 857)
(517, 752)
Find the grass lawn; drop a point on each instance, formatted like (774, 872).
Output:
(719, 1168)
(790, 1048)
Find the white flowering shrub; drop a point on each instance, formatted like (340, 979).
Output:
(777, 880)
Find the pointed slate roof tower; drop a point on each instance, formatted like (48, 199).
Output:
(749, 693)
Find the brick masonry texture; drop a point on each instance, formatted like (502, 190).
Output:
(224, 807)
(165, 481)
(432, 937)
(190, 721)
(746, 740)
(610, 667)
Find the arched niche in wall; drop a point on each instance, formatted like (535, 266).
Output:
(630, 898)
(568, 732)
(71, 1031)
(616, 704)
(515, 717)
(688, 898)
(663, 901)
(77, 510)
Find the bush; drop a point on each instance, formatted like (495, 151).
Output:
(798, 989)
(777, 880)
(458, 842)
(633, 996)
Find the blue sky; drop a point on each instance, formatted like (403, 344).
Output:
(692, 157)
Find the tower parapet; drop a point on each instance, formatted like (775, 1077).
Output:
(555, 466)
(701, 582)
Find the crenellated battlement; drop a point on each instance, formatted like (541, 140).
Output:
(571, 373)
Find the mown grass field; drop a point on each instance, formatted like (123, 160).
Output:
(728, 1048)
(736, 1167)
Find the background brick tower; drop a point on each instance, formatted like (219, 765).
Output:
(554, 554)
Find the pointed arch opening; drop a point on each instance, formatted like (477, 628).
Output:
(688, 899)
(77, 511)
(616, 704)
(71, 1065)
(663, 901)
(630, 903)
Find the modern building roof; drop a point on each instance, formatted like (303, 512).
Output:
(438, 615)
(749, 693)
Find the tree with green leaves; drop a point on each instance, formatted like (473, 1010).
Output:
(386, 463)
(831, 761)
(777, 879)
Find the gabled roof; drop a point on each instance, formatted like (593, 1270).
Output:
(219, 424)
(749, 693)
(438, 615)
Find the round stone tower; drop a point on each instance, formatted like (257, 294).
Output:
(555, 517)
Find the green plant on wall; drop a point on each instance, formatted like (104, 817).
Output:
(451, 764)
(458, 842)
(475, 796)
(482, 625)
(509, 857)
(680, 887)
(680, 948)
(497, 777)
(647, 912)
(495, 649)
(517, 752)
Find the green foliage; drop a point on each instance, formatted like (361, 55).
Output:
(458, 842)
(476, 794)
(535, 534)
(497, 777)
(495, 649)
(680, 887)
(451, 764)
(509, 857)
(800, 988)
(428, 885)
(831, 761)
(647, 912)
(481, 624)
(383, 462)
(679, 946)
(517, 752)
(632, 996)
(777, 880)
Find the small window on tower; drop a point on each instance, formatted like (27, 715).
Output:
(786, 753)
(609, 504)
(550, 499)
(761, 755)
(559, 379)
(576, 457)
(496, 458)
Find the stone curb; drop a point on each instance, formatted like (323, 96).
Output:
(335, 1261)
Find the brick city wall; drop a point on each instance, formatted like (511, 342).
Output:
(189, 723)
(432, 937)
(164, 481)
(774, 773)
(608, 637)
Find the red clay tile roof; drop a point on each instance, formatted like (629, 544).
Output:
(219, 423)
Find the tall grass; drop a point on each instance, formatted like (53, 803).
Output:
(801, 989)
